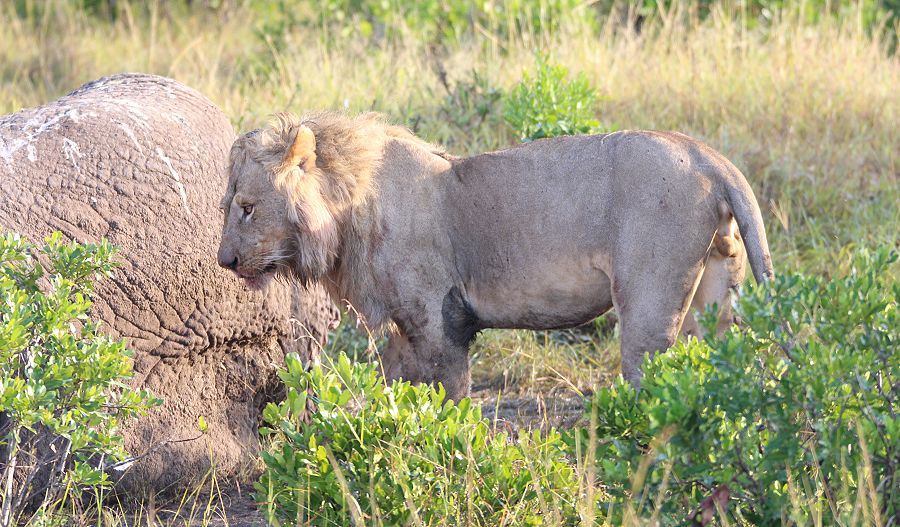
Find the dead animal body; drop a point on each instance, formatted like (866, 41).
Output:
(139, 160)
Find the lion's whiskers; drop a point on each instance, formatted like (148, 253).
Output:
(265, 259)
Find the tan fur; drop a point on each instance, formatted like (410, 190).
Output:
(546, 235)
(302, 153)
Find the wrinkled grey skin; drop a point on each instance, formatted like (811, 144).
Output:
(139, 160)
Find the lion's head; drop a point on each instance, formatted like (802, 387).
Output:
(289, 189)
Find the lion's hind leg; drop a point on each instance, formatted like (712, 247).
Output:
(652, 301)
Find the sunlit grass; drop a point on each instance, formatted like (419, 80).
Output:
(524, 362)
(207, 502)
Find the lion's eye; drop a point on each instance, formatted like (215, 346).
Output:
(248, 210)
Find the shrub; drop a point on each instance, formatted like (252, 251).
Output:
(399, 454)
(793, 419)
(547, 104)
(469, 102)
(62, 397)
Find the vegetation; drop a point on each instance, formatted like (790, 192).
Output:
(795, 414)
(62, 397)
(546, 104)
(399, 454)
(793, 419)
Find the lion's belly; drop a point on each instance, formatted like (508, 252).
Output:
(557, 295)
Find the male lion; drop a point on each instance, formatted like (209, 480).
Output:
(545, 235)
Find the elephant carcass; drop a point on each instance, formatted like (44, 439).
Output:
(140, 160)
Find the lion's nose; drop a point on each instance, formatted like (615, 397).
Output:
(228, 261)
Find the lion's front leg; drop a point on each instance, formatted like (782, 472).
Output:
(399, 352)
(423, 350)
(446, 363)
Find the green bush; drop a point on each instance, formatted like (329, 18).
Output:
(794, 418)
(400, 454)
(547, 104)
(62, 397)
(470, 104)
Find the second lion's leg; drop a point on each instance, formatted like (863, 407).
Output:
(724, 273)
(717, 286)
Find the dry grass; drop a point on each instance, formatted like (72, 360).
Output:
(798, 107)
(551, 363)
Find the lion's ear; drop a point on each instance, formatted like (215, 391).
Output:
(303, 152)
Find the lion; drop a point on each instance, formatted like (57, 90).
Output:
(549, 234)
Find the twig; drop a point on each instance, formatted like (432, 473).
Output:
(129, 461)
(6, 517)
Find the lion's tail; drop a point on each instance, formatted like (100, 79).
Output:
(749, 219)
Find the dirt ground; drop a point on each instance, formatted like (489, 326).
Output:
(512, 413)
